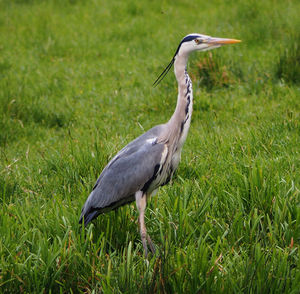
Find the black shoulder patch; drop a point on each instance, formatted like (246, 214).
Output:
(147, 185)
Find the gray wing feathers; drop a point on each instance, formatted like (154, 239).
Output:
(126, 173)
(132, 147)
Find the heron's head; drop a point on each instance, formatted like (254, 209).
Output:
(195, 42)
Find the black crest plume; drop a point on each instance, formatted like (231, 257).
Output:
(166, 70)
(164, 73)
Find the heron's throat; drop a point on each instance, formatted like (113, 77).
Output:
(180, 121)
(180, 65)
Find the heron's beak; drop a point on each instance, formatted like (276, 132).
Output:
(221, 41)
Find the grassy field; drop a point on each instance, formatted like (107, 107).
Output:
(76, 85)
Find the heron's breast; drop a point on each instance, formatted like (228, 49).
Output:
(163, 172)
(167, 168)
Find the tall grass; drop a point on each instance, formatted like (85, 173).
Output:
(288, 67)
(75, 86)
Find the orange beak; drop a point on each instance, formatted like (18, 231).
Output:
(221, 41)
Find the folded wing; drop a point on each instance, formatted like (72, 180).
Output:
(129, 171)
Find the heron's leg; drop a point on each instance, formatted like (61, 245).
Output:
(141, 201)
(152, 248)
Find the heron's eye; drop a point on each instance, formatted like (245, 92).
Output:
(198, 41)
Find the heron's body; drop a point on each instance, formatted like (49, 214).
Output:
(150, 160)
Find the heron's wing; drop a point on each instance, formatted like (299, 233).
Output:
(133, 147)
(129, 171)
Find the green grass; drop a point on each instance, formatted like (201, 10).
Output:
(75, 86)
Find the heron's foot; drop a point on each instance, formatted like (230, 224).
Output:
(146, 238)
(144, 242)
(152, 248)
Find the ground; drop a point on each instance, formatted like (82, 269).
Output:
(76, 86)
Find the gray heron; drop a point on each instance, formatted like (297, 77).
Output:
(149, 161)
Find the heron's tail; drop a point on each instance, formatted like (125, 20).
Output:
(88, 217)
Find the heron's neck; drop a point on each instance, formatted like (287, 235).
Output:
(180, 120)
